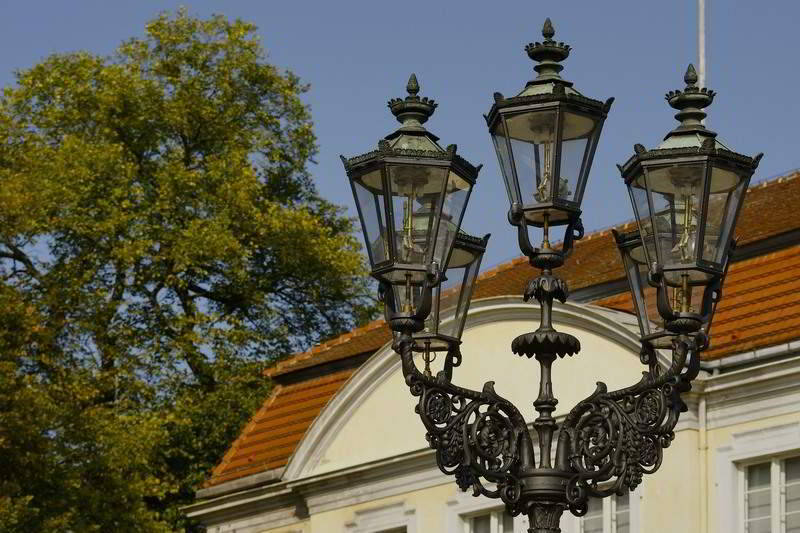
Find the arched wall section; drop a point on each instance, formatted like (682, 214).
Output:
(372, 418)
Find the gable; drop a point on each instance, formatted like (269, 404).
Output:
(372, 417)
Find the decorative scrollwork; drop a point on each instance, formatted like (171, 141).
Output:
(479, 437)
(611, 440)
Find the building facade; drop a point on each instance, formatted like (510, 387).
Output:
(337, 446)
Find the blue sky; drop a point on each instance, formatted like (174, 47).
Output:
(358, 54)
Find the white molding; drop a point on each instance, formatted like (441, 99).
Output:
(615, 326)
(745, 447)
(754, 393)
(382, 518)
(464, 506)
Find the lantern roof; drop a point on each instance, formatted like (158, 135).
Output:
(548, 85)
(411, 139)
(690, 137)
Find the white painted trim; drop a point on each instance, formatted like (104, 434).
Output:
(752, 356)
(752, 393)
(615, 326)
(747, 446)
(464, 506)
(383, 518)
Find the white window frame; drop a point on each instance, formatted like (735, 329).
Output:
(464, 506)
(573, 524)
(748, 448)
(378, 519)
(777, 488)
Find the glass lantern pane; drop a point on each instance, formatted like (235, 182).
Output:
(504, 158)
(676, 194)
(576, 134)
(451, 290)
(432, 320)
(416, 197)
(368, 191)
(455, 201)
(407, 296)
(636, 273)
(532, 137)
(725, 196)
(641, 209)
(465, 296)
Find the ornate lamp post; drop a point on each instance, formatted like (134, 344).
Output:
(686, 196)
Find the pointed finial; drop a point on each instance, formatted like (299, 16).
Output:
(548, 54)
(412, 111)
(547, 29)
(690, 103)
(691, 75)
(413, 85)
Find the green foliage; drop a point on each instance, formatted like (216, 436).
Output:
(160, 241)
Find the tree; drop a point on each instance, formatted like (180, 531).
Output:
(160, 240)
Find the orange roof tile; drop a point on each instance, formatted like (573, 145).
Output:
(272, 434)
(760, 304)
(760, 307)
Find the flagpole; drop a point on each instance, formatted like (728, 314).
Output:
(702, 68)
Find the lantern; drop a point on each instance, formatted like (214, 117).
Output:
(411, 194)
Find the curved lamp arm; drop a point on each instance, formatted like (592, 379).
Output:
(479, 437)
(612, 438)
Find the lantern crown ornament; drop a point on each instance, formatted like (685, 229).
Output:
(411, 194)
(545, 138)
(686, 197)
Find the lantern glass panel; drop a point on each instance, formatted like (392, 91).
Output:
(577, 134)
(645, 296)
(676, 196)
(452, 295)
(407, 296)
(641, 206)
(459, 294)
(504, 158)
(725, 196)
(641, 292)
(368, 190)
(416, 202)
(532, 137)
(455, 201)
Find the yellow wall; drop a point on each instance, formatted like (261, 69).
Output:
(384, 424)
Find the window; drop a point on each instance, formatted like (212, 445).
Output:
(772, 496)
(497, 521)
(393, 518)
(608, 515)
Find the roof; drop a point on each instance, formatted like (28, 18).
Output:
(272, 434)
(760, 304)
(307, 381)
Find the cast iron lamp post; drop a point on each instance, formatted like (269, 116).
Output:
(686, 195)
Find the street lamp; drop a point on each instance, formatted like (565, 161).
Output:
(411, 194)
(686, 195)
(545, 138)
